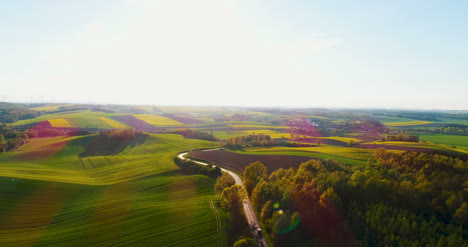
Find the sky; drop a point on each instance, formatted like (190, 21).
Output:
(406, 54)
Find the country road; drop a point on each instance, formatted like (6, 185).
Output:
(248, 209)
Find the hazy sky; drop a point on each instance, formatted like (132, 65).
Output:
(386, 54)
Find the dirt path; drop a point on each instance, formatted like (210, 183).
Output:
(218, 224)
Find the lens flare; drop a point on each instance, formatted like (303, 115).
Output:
(285, 222)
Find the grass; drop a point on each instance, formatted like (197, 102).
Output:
(57, 159)
(410, 123)
(167, 209)
(157, 120)
(59, 123)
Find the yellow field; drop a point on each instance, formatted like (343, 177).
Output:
(157, 120)
(114, 124)
(59, 123)
(407, 123)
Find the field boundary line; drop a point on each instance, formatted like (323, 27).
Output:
(218, 223)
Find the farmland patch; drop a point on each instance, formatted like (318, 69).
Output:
(59, 123)
(156, 120)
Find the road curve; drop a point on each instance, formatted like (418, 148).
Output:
(248, 209)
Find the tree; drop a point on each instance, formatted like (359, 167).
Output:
(252, 175)
(318, 142)
(232, 198)
(245, 242)
(223, 182)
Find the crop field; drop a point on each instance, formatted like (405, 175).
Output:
(386, 119)
(255, 126)
(58, 159)
(156, 120)
(150, 211)
(413, 146)
(256, 132)
(460, 142)
(113, 123)
(77, 119)
(343, 152)
(410, 123)
(52, 195)
(59, 123)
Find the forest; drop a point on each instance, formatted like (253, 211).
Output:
(396, 199)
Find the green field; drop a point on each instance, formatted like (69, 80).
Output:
(57, 159)
(353, 156)
(151, 211)
(77, 119)
(52, 196)
(156, 120)
(460, 142)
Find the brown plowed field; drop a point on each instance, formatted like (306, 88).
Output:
(238, 162)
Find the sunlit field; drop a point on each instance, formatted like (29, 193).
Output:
(76, 119)
(137, 197)
(58, 159)
(113, 123)
(59, 123)
(151, 211)
(156, 120)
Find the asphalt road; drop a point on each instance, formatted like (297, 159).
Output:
(248, 209)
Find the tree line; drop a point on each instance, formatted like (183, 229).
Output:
(195, 134)
(11, 139)
(191, 167)
(16, 113)
(400, 138)
(249, 141)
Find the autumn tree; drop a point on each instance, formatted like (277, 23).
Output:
(252, 174)
(224, 181)
(232, 199)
